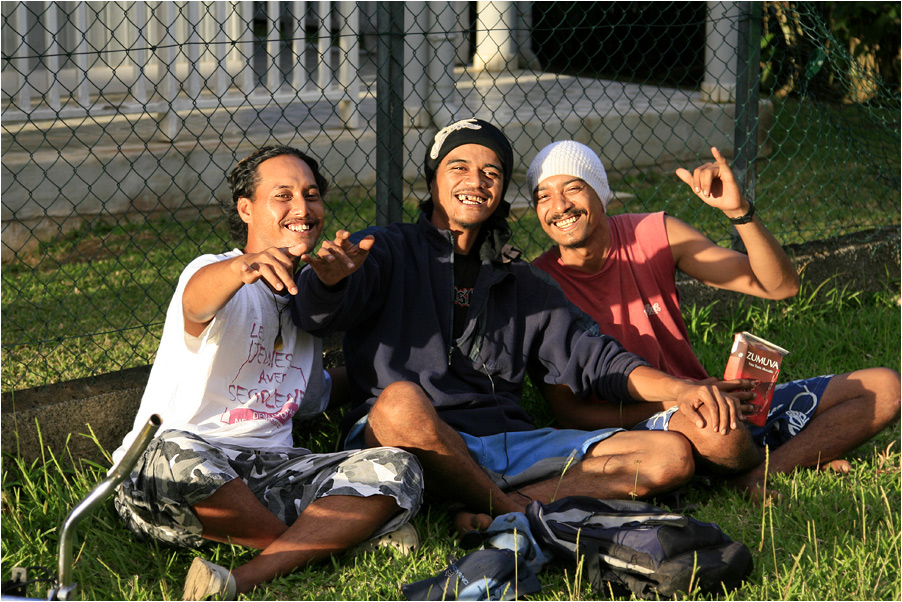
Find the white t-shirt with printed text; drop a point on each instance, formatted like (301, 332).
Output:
(229, 384)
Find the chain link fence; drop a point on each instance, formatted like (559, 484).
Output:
(120, 121)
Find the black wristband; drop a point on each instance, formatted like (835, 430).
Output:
(744, 219)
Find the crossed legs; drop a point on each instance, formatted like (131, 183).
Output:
(327, 526)
(628, 464)
(853, 408)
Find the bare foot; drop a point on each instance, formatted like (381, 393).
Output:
(840, 466)
(465, 521)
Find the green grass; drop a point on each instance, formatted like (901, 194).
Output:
(833, 537)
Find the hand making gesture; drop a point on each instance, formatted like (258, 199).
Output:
(715, 184)
(211, 287)
(275, 265)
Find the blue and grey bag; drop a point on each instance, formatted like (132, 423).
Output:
(491, 574)
(640, 548)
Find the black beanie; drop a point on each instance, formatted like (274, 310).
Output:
(470, 131)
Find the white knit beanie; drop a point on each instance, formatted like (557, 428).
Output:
(569, 158)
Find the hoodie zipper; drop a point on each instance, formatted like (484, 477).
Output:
(451, 344)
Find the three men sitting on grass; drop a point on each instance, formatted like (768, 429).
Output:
(443, 322)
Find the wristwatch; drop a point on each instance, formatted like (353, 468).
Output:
(744, 219)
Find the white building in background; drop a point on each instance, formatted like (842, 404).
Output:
(149, 103)
(166, 57)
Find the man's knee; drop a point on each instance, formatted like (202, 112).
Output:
(674, 461)
(392, 417)
(398, 402)
(877, 389)
(735, 452)
(885, 384)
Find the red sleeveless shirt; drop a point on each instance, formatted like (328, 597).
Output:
(634, 297)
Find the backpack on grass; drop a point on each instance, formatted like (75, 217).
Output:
(641, 548)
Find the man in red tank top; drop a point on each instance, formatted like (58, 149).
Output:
(621, 271)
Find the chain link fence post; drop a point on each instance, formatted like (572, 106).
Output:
(748, 84)
(389, 112)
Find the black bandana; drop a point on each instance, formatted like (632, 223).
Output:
(469, 131)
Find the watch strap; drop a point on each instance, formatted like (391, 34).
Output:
(744, 219)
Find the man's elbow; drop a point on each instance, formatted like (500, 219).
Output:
(788, 289)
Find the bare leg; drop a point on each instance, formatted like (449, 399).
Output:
(225, 517)
(713, 452)
(328, 525)
(853, 408)
(629, 464)
(448, 468)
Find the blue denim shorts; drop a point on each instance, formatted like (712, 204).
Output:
(791, 409)
(514, 459)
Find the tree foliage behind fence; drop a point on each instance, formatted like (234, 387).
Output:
(120, 121)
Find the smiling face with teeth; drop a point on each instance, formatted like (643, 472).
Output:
(570, 211)
(287, 207)
(466, 190)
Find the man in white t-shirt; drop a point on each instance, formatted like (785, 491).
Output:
(231, 374)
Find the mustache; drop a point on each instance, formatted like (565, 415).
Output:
(310, 221)
(572, 212)
(471, 192)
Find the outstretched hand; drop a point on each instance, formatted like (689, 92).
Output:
(339, 258)
(275, 265)
(715, 184)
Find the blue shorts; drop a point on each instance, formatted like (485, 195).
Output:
(792, 407)
(514, 459)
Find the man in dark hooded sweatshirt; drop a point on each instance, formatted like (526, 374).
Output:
(443, 321)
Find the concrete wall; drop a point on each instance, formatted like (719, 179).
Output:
(107, 405)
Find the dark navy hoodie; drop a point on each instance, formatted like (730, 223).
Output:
(397, 315)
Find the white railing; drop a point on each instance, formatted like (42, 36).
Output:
(79, 59)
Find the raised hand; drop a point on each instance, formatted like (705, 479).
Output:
(715, 184)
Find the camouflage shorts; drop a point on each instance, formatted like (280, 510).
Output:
(180, 469)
